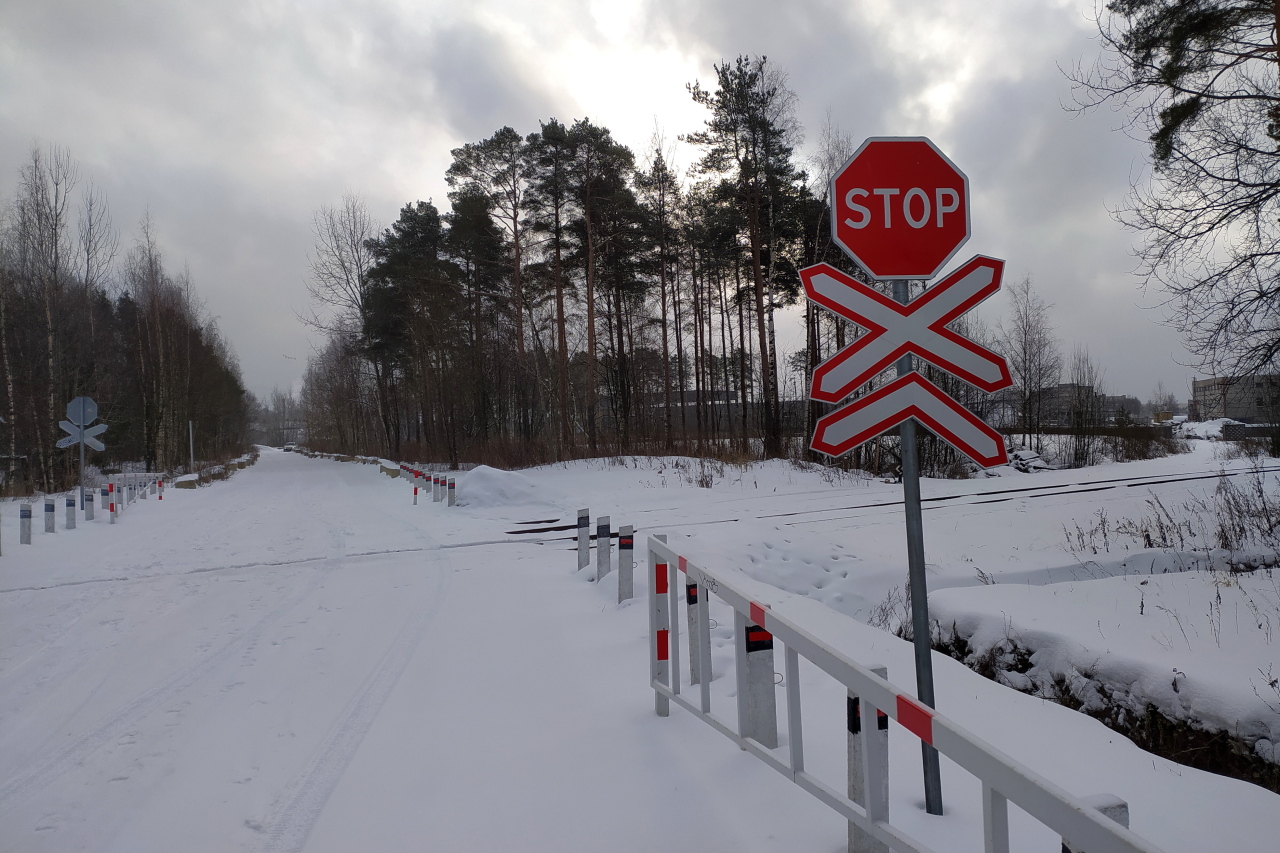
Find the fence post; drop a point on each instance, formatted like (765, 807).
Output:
(659, 628)
(695, 630)
(1111, 806)
(153, 486)
(415, 493)
(584, 538)
(111, 493)
(451, 490)
(626, 542)
(88, 506)
(71, 512)
(24, 524)
(868, 768)
(160, 489)
(757, 705)
(604, 547)
(48, 515)
(103, 492)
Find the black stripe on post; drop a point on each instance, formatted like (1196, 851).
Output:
(626, 543)
(882, 721)
(691, 597)
(854, 716)
(758, 639)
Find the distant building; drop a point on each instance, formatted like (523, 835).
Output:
(1248, 399)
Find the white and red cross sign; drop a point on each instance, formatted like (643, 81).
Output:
(901, 210)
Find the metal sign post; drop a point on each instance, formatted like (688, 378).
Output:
(81, 412)
(900, 209)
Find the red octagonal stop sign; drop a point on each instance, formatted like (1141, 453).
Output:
(900, 208)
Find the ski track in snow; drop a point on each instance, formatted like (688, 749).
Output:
(44, 771)
(304, 799)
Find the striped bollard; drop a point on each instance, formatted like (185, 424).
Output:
(660, 629)
(415, 493)
(868, 768)
(695, 634)
(71, 511)
(111, 493)
(24, 524)
(604, 547)
(626, 545)
(757, 705)
(584, 538)
(48, 515)
(160, 490)
(452, 489)
(88, 505)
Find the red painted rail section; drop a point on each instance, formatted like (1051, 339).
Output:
(1003, 779)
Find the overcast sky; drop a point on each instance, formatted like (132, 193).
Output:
(233, 121)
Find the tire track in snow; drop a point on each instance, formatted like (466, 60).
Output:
(290, 825)
(44, 771)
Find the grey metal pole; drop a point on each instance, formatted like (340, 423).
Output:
(917, 582)
(626, 544)
(584, 537)
(604, 549)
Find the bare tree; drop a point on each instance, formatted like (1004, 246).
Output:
(1026, 339)
(1199, 81)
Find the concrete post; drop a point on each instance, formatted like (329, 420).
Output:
(584, 538)
(604, 547)
(48, 515)
(757, 705)
(160, 490)
(868, 768)
(626, 545)
(452, 488)
(111, 493)
(442, 486)
(88, 507)
(71, 512)
(415, 494)
(660, 629)
(1111, 806)
(24, 524)
(695, 633)
(103, 493)
(153, 486)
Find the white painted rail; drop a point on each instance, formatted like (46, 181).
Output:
(1003, 779)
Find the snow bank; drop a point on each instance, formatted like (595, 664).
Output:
(1211, 430)
(485, 487)
(1200, 647)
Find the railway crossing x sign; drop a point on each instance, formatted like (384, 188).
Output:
(910, 239)
(893, 330)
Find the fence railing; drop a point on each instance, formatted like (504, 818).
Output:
(1084, 824)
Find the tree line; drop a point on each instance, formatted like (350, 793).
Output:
(79, 317)
(574, 300)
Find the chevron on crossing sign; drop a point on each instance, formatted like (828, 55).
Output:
(894, 330)
(910, 396)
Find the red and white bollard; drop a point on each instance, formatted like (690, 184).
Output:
(160, 488)
(660, 636)
(111, 494)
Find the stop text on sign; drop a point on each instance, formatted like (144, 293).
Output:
(901, 208)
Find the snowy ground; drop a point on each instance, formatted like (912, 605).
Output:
(298, 658)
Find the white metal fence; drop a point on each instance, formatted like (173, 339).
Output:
(1003, 779)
